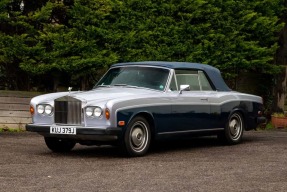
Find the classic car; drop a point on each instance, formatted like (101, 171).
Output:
(138, 102)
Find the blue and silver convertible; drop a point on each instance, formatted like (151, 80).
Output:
(136, 103)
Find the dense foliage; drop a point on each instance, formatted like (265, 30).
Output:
(79, 39)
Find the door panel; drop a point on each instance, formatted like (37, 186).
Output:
(190, 111)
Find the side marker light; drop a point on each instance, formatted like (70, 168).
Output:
(121, 123)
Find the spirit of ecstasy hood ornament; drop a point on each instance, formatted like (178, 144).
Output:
(70, 89)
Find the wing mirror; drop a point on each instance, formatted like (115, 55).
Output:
(184, 88)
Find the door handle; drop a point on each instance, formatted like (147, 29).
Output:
(204, 99)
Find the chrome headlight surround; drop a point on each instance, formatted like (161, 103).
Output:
(45, 109)
(48, 109)
(89, 111)
(40, 109)
(94, 111)
(98, 112)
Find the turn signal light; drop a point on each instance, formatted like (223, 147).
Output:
(32, 110)
(121, 123)
(107, 113)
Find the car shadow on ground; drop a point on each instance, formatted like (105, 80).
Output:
(159, 147)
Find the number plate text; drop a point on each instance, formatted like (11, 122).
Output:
(63, 130)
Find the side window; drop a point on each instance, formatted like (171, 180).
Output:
(196, 79)
(188, 77)
(172, 85)
(205, 86)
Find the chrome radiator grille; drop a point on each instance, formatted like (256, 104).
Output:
(68, 110)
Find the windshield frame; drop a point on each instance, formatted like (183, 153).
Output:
(131, 86)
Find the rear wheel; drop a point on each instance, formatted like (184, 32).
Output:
(59, 145)
(233, 131)
(137, 137)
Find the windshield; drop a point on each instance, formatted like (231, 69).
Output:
(148, 77)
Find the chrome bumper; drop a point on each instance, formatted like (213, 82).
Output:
(83, 133)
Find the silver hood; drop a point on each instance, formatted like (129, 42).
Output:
(109, 93)
(97, 95)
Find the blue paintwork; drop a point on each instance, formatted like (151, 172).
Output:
(177, 118)
(190, 117)
(161, 114)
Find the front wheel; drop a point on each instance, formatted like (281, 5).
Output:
(59, 145)
(137, 137)
(234, 129)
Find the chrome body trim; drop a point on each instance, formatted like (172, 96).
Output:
(191, 131)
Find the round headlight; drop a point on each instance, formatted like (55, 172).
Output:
(89, 111)
(48, 109)
(40, 109)
(98, 111)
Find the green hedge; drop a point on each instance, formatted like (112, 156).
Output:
(79, 37)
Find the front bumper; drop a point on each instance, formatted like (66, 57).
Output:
(83, 133)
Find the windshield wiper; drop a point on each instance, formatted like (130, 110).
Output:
(125, 85)
(117, 85)
(103, 86)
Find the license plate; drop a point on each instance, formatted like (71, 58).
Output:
(63, 130)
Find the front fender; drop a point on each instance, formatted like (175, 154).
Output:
(148, 115)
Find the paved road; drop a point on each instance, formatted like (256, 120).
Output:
(258, 164)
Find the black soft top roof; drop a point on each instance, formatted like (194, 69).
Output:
(212, 72)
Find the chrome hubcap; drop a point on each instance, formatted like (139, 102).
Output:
(235, 126)
(138, 136)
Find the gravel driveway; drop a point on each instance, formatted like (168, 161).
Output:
(199, 164)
